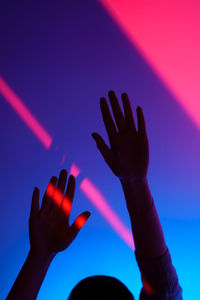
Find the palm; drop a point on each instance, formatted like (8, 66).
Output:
(128, 155)
(50, 235)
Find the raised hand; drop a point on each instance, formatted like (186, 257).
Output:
(49, 228)
(128, 155)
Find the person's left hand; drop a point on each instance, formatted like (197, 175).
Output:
(49, 229)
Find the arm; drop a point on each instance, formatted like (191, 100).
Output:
(146, 227)
(49, 233)
(128, 158)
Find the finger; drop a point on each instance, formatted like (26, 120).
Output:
(71, 187)
(35, 203)
(48, 196)
(128, 112)
(107, 118)
(69, 195)
(62, 181)
(66, 207)
(118, 115)
(58, 193)
(57, 199)
(79, 223)
(141, 122)
(103, 148)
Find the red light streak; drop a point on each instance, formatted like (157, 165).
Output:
(50, 190)
(86, 186)
(98, 200)
(57, 197)
(147, 287)
(66, 206)
(25, 114)
(80, 222)
(166, 33)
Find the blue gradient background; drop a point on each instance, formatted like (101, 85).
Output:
(60, 57)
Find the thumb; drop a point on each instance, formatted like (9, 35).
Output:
(35, 203)
(79, 223)
(103, 148)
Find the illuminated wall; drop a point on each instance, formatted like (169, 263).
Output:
(56, 59)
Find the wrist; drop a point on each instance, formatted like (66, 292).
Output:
(138, 196)
(41, 257)
(134, 181)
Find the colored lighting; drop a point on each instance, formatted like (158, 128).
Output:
(25, 114)
(87, 187)
(66, 206)
(58, 197)
(50, 190)
(166, 33)
(147, 287)
(98, 200)
(80, 221)
(75, 171)
(63, 159)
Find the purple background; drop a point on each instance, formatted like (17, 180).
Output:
(60, 57)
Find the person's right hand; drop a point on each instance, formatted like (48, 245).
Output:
(128, 155)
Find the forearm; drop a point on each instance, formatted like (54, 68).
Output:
(30, 278)
(147, 231)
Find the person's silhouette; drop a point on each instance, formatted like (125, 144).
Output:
(100, 287)
(49, 230)
(49, 233)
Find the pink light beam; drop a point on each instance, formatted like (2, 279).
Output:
(75, 171)
(98, 200)
(63, 159)
(25, 114)
(166, 33)
(93, 194)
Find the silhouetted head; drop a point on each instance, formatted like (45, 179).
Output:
(100, 288)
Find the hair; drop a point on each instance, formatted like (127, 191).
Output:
(100, 287)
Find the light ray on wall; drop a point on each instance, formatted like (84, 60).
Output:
(24, 113)
(87, 187)
(99, 201)
(166, 33)
(75, 171)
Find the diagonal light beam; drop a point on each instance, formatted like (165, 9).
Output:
(25, 114)
(166, 33)
(87, 187)
(98, 200)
